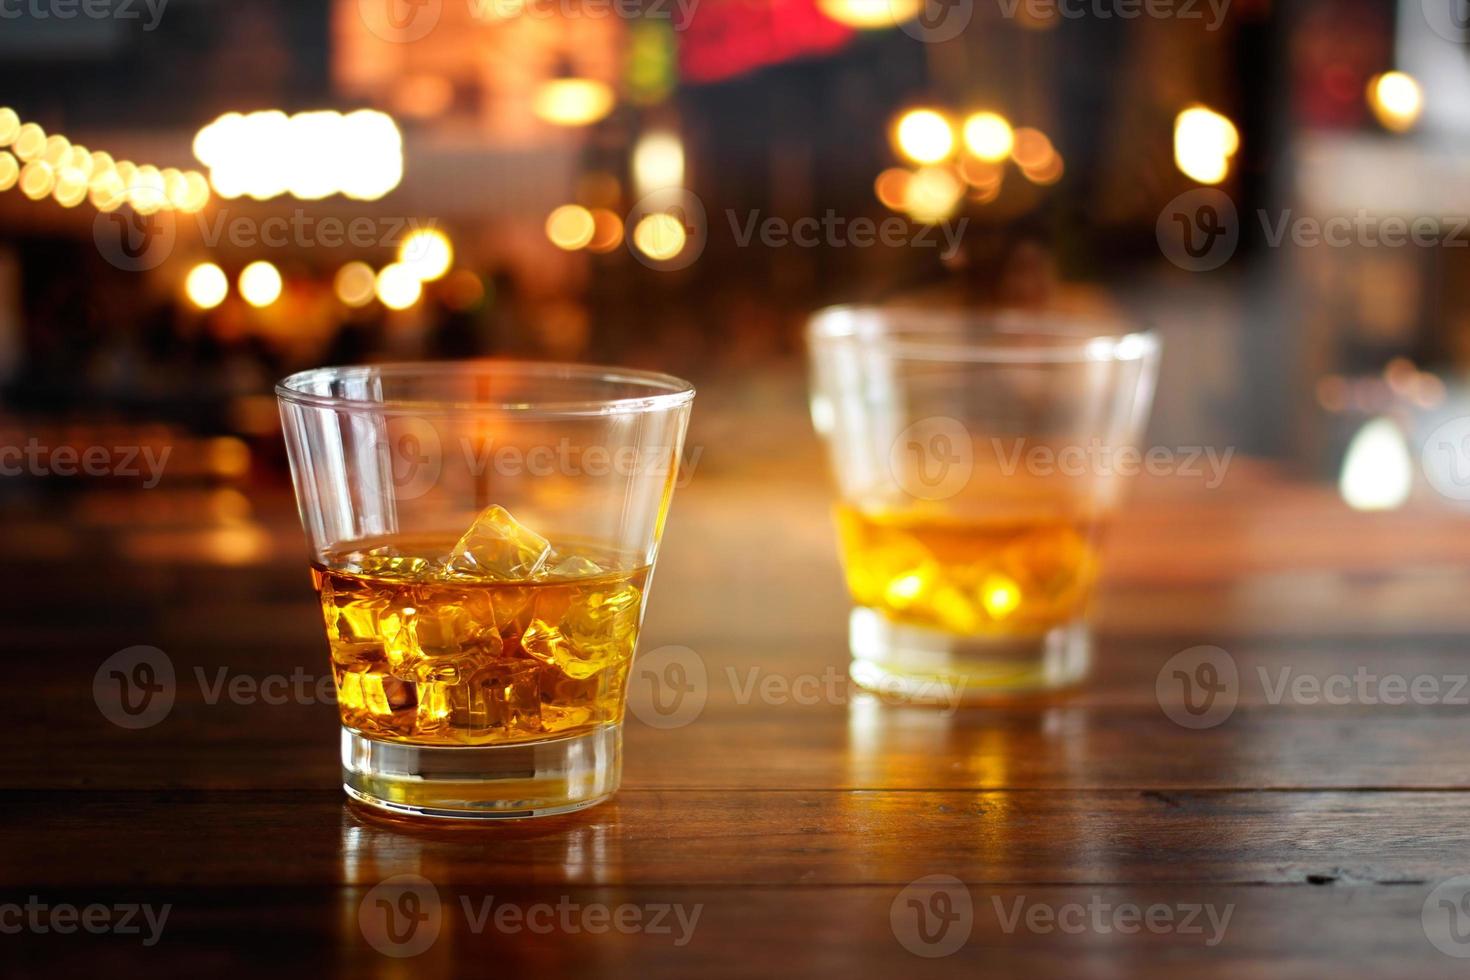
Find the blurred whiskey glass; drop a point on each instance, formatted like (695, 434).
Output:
(978, 459)
(482, 537)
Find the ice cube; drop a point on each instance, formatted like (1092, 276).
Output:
(497, 546)
(498, 698)
(388, 562)
(603, 623)
(571, 566)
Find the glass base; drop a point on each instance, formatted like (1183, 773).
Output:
(923, 666)
(525, 779)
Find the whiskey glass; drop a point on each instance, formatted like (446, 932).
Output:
(978, 458)
(481, 538)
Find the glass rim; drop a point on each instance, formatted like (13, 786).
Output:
(1090, 338)
(666, 391)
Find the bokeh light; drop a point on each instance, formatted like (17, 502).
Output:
(9, 126)
(932, 194)
(658, 162)
(260, 284)
(1204, 142)
(891, 188)
(572, 101)
(659, 236)
(426, 253)
(30, 142)
(355, 283)
(924, 136)
(1396, 100)
(206, 286)
(989, 136)
(870, 14)
(37, 179)
(397, 287)
(607, 231)
(9, 170)
(310, 155)
(570, 227)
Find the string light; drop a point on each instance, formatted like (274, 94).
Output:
(310, 156)
(71, 173)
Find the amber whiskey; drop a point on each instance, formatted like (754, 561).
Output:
(1010, 575)
(494, 637)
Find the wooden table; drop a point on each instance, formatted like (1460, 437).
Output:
(1089, 833)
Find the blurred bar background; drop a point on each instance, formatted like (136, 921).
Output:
(219, 194)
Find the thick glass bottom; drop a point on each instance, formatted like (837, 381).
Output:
(527, 779)
(922, 666)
